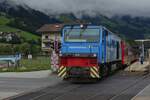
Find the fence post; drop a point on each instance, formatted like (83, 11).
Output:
(149, 60)
(54, 61)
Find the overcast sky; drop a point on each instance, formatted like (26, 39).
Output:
(91, 7)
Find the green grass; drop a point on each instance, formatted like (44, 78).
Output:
(66, 19)
(4, 20)
(26, 35)
(4, 44)
(26, 65)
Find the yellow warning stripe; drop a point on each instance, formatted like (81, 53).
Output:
(62, 71)
(60, 68)
(94, 72)
(96, 69)
(93, 76)
(64, 74)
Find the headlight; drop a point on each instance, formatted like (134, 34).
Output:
(81, 26)
(60, 55)
(77, 55)
(94, 55)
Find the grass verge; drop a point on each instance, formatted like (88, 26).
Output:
(26, 65)
(26, 35)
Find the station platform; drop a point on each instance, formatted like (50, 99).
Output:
(143, 95)
(138, 67)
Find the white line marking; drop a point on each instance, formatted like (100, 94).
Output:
(134, 98)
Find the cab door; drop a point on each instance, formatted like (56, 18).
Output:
(104, 46)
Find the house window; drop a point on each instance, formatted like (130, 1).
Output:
(47, 45)
(46, 37)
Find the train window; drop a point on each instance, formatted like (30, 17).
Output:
(113, 43)
(118, 46)
(106, 32)
(46, 36)
(82, 35)
(103, 33)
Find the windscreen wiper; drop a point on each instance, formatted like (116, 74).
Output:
(70, 30)
(82, 31)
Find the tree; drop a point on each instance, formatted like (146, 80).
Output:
(25, 48)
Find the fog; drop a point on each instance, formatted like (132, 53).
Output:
(90, 7)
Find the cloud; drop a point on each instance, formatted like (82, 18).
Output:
(91, 7)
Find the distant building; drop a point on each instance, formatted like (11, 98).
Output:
(50, 32)
(7, 36)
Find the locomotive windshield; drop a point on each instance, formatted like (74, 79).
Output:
(82, 35)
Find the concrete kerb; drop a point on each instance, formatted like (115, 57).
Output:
(137, 67)
(35, 74)
(138, 97)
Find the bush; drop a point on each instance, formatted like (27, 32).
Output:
(24, 49)
(7, 49)
(27, 65)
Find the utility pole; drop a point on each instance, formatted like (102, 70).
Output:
(143, 52)
(56, 43)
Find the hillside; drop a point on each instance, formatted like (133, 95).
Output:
(4, 27)
(29, 20)
(24, 17)
(125, 26)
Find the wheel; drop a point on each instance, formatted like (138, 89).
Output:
(104, 70)
(109, 69)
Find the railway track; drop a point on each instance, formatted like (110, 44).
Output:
(120, 86)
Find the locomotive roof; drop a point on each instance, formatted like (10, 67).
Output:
(78, 25)
(114, 34)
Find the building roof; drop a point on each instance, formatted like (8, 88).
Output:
(50, 28)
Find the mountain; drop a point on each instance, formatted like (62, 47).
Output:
(24, 17)
(27, 19)
(125, 26)
(133, 27)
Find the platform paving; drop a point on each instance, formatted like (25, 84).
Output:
(137, 66)
(143, 95)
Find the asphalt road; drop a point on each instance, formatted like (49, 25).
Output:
(15, 84)
(121, 86)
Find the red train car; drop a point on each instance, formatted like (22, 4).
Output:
(129, 54)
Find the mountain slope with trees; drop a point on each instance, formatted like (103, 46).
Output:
(28, 19)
